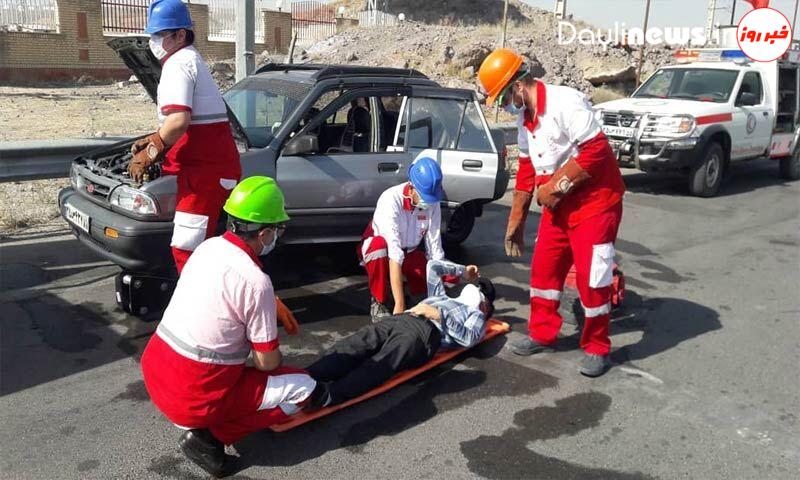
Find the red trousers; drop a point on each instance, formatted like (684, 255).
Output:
(199, 203)
(590, 245)
(373, 252)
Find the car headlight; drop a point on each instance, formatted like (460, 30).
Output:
(133, 200)
(598, 115)
(673, 125)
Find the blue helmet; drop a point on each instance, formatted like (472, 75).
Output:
(167, 15)
(426, 177)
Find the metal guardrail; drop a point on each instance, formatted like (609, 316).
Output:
(36, 159)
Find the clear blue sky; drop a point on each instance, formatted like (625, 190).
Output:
(663, 13)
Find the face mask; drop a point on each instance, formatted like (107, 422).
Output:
(157, 46)
(422, 205)
(265, 249)
(513, 109)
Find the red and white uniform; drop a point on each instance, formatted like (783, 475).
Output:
(396, 231)
(583, 226)
(205, 158)
(194, 365)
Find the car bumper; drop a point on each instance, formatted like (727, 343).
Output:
(656, 153)
(137, 246)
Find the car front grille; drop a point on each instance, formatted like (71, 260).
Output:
(621, 119)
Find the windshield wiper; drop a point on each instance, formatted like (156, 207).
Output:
(685, 96)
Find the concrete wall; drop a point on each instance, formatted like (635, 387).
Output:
(80, 46)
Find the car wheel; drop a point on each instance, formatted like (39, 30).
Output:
(460, 225)
(790, 166)
(706, 177)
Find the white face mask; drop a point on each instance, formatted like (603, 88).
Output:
(513, 109)
(157, 45)
(265, 249)
(422, 205)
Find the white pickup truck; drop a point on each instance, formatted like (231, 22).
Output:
(713, 108)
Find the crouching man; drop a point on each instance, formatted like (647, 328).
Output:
(223, 309)
(372, 355)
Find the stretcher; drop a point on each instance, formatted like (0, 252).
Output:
(493, 329)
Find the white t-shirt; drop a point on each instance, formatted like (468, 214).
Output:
(187, 85)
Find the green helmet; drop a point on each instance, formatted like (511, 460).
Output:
(257, 200)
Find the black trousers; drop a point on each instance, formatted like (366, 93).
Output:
(372, 355)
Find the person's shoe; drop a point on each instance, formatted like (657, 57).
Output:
(200, 446)
(528, 346)
(378, 311)
(319, 398)
(594, 365)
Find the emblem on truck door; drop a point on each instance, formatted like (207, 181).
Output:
(751, 123)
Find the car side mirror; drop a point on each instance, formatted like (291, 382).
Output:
(302, 145)
(747, 99)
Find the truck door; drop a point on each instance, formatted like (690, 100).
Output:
(331, 192)
(752, 118)
(448, 126)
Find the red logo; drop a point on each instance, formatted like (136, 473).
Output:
(764, 34)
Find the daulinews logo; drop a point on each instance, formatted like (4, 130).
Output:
(764, 34)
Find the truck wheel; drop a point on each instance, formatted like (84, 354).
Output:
(460, 225)
(790, 166)
(706, 177)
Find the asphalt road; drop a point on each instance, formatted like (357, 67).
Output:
(704, 383)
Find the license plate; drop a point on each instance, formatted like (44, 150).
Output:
(626, 132)
(80, 219)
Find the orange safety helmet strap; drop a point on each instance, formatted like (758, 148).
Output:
(497, 71)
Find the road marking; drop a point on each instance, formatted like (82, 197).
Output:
(641, 373)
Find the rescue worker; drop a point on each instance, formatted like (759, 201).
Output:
(194, 139)
(223, 309)
(404, 234)
(580, 188)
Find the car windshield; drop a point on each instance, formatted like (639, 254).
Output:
(263, 105)
(700, 84)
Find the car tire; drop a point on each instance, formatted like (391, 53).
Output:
(705, 178)
(460, 225)
(790, 166)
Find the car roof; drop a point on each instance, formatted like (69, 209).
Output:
(313, 73)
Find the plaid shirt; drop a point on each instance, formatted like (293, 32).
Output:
(460, 325)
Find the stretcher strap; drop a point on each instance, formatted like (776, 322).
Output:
(493, 329)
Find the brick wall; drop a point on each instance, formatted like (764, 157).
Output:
(80, 46)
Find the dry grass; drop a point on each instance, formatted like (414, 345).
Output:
(603, 94)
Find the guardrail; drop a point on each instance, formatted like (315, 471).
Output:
(38, 159)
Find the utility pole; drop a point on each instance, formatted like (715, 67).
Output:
(245, 38)
(794, 19)
(733, 11)
(502, 45)
(644, 44)
(561, 9)
(712, 9)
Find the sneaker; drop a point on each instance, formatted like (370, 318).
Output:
(594, 365)
(528, 346)
(378, 311)
(200, 446)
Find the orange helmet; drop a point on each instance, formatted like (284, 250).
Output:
(497, 71)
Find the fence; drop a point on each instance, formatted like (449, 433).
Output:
(124, 16)
(312, 21)
(29, 16)
(222, 20)
(376, 18)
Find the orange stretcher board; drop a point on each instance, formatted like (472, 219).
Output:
(493, 329)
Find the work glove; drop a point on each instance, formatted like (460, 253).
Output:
(146, 156)
(564, 181)
(514, 241)
(286, 317)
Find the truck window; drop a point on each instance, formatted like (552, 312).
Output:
(751, 83)
(443, 123)
(700, 84)
(262, 105)
(348, 129)
(474, 136)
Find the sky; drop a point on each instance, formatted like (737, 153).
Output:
(663, 13)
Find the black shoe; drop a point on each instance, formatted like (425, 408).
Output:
(527, 346)
(206, 451)
(594, 365)
(320, 397)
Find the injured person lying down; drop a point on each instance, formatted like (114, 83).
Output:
(373, 354)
